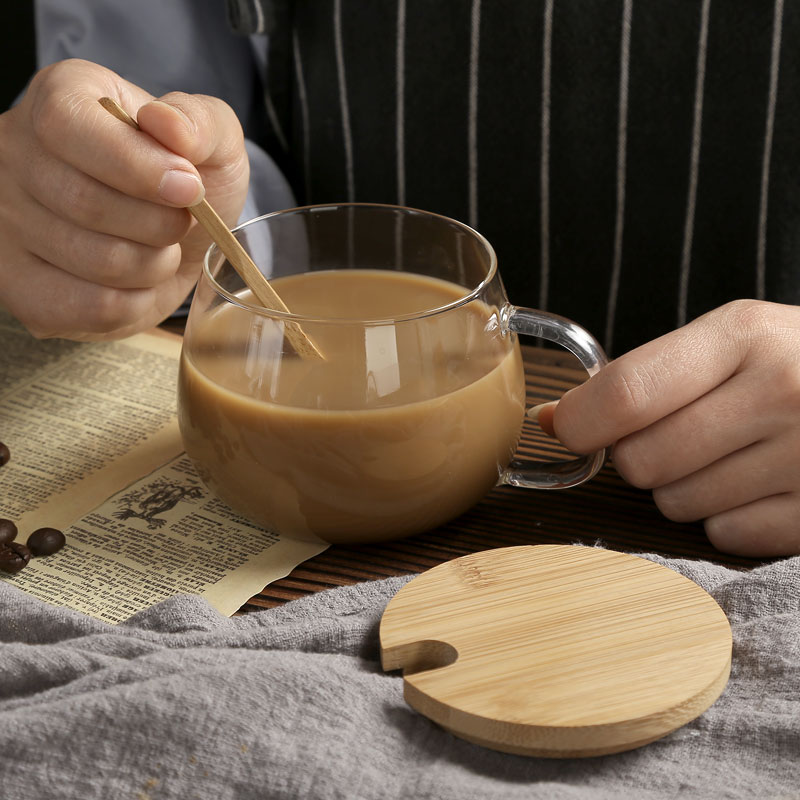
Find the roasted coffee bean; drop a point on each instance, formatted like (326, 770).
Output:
(46, 541)
(5, 454)
(13, 557)
(8, 531)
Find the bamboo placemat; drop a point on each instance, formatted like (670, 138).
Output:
(606, 510)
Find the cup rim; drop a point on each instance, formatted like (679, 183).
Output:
(304, 318)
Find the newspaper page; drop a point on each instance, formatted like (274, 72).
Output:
(95, 451)
(81, 420)
(163, 535)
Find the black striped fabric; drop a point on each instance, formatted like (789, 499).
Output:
(635, 164)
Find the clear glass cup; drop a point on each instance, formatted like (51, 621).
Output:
(414, 411)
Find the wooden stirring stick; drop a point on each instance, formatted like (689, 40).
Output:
(236, 254)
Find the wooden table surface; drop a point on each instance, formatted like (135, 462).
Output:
(604, 510)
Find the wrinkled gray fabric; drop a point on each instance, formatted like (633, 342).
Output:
(181, 702)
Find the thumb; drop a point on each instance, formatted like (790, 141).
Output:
(206, 132)
(202, 129)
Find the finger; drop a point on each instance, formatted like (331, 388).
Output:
(649, 383)
(73, 126)
(767, 527)
(90, 204)
(97, 257)
(727, 419)
(68, 307)
(760, 470)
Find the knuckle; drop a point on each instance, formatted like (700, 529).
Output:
(53, 104)
(785, 384)
(109, 310)
(631, 391)
(631, 463)
(128, 265)
(115, 259)
(145, 267)
(162, 263)
(61, 92)
(748, 316)
(79, 201)
(45, 116)
(43, 79)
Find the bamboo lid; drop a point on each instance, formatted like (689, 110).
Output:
(557, 651)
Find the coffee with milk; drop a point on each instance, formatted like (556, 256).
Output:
(403, 425)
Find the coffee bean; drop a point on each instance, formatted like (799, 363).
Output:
(13, 557)
(5, 454)
(8, 531)
(46, 541)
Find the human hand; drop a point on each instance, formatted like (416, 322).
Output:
(97, 242)
(708, 417)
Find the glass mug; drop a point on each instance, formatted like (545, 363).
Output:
(413, 412)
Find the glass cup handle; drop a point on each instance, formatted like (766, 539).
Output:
(562, 331)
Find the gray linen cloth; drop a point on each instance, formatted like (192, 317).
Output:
(181, 702)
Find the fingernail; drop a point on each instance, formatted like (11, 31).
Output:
(181, 188)
(543, 414)
(534, 411)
